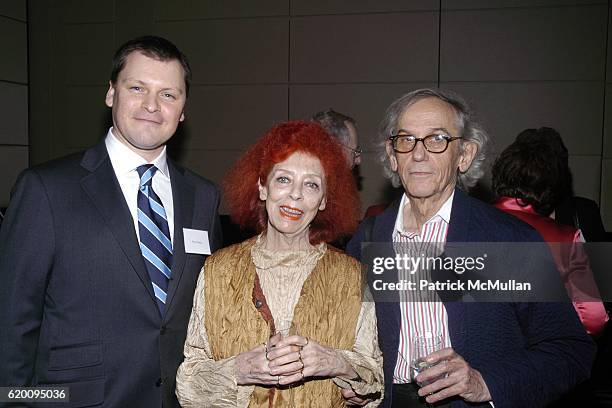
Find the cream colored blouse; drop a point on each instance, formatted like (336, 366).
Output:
(200, 379)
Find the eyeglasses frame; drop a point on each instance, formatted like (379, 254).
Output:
(448, 139)
(356, 152)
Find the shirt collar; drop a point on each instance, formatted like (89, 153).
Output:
(444, 213)
(126, 160)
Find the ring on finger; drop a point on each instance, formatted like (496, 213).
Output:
(277, 380)
(300, 360)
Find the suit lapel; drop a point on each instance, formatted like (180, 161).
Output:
(183, 197)
(388, 314)
(383, 227)
(458, 231)
(459, 226)
(383, 232)
(105, 193)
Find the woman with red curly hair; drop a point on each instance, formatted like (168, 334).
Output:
(279, 320)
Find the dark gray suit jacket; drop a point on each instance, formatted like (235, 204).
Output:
(76, 304)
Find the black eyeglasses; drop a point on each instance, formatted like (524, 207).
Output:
(437, 143)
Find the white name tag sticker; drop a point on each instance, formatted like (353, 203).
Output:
(196, 241)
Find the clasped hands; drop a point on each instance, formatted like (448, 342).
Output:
(289, 360)
(451, 376)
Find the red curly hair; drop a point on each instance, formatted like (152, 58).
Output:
(341, 213)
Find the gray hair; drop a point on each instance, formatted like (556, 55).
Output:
(469, 130)
(335, 124)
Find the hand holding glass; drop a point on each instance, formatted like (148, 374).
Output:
(423, 346)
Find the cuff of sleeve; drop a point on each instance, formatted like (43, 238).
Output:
(243, 392)
(223, 375)
(219, 389)
(366, 383)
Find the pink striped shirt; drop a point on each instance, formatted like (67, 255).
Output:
(420, 317)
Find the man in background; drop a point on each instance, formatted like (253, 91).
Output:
(343, 128)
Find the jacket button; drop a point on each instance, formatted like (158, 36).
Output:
(162, 330)
(258, 303)
(159, 382)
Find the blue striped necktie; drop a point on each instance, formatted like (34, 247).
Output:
(155, 243)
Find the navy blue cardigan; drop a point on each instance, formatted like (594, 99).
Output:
(529, 354)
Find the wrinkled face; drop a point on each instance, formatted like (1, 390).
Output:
(147, 101)
(352, 145)
(424, 174)
(294, 192)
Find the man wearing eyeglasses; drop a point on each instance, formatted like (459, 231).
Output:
(500, 354)
(343, 128)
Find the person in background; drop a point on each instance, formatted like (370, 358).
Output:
(495, 353)
(530, 185)
(100, 251)
(578, 212)
(278, 320)
(343, 128)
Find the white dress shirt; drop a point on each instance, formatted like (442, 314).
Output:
(419, 318)
(125, 162)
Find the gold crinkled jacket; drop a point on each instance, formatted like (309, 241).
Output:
(326, 312)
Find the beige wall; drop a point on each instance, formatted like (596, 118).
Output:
(522, 63)
(13, 94)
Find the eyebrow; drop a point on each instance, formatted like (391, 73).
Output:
(139, 82)
(442, 129)
(292, 172)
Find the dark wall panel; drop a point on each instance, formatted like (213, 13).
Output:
(202, 9)
(13, 43)
(301, 7)
(566, 43)
(84, 118)
(85, 52)
(87, 11)
(488, 4)
(14, 108)
(398, 47)
(13, 159)
(586, 171)
(14, 9)
(233, 117)
(575, 109)
(233, 51)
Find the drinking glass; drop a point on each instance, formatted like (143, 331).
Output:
(422, 346)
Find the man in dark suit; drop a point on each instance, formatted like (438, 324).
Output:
(506, 354)
(100, 251)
